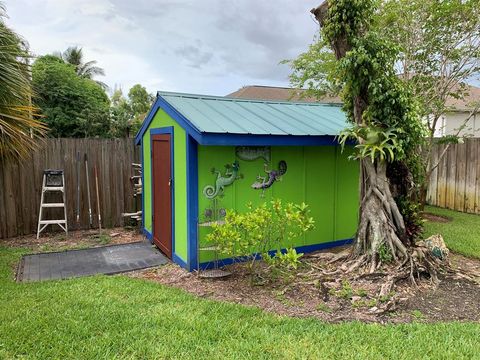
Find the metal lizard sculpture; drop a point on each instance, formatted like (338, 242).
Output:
(231, 174)
(273, 175)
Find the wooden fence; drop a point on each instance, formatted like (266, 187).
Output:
(21, 183)
(455, 184)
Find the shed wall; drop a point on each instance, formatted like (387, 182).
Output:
(321, 176)
(162, 119)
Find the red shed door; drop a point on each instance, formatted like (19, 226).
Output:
(162, 193)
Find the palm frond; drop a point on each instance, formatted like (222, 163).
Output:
(20, 124)
(90, 72)
(74, 56)
(102, 84)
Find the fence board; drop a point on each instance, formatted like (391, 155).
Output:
(440, 187)
(460, 177)
(477, 177)
(20, 183)
(451, 177)
(9, 201)
(434, 176)
(457, 182)
(3, 214)
(470, 178)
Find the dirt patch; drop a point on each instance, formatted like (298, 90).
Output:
(466, 265)
(75, 240)
(436, 218)
(453, 299)
(330, 298)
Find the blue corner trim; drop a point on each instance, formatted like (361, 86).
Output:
(143, 190)
(148, 235)
(229, 138)
(159, 131)
(192, 202)
(300, 249)
(178, 260)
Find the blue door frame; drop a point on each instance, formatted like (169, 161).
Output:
(159, 131)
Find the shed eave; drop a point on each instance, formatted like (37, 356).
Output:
(161, 103)
(266, 140)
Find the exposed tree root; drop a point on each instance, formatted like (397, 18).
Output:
(370, 276)
(381, 236)
(408, 270)
(340, 256)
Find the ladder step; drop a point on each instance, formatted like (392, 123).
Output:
(53, 205)
(53, 188)
(48, 222)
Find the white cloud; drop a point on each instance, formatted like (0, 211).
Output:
(209, 46)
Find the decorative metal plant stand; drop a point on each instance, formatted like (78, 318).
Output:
(216, 272)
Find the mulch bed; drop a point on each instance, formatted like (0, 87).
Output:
(57, 241)
(333, 299)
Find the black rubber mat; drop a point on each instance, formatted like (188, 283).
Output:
(111, 259)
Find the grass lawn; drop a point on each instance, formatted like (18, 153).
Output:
(119, 317)
(461, 235)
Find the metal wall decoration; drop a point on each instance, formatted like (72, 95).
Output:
(214, 212)
(222, 181)
(264, 182)
(250, 153)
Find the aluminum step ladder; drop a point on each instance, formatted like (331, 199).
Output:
(53, 181)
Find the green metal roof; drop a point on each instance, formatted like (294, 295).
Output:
(212, 114)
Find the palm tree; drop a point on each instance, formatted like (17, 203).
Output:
(74, 56)
(19, 121)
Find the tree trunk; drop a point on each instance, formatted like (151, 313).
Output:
(380, 221)
(382, 235)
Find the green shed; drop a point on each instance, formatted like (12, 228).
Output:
(194, 148)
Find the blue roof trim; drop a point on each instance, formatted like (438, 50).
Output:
(267, 140)
(161, 103)
(146, 122)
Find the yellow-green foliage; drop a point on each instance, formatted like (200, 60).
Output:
(269, 226)
(288, 260)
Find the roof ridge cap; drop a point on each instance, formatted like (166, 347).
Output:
(233, 99)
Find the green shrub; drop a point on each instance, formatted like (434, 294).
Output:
(385, 254)
(270, 226)
(287, 260)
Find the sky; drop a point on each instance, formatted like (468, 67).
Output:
(209, 47)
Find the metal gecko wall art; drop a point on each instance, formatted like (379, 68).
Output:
(250, 153)
(222, 181)
(264, 182)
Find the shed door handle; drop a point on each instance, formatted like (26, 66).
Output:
(169, 182)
